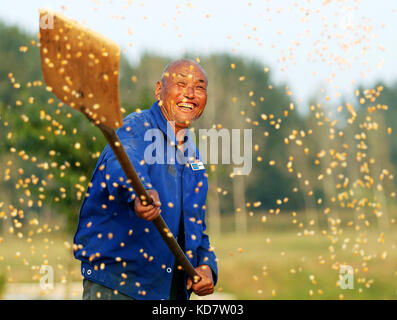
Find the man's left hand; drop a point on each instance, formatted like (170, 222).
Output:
(206, 285)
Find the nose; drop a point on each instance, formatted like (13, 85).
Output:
(189, 92)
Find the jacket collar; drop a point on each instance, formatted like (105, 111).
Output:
(162, 122)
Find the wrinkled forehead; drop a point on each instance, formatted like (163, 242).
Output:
(186, 70)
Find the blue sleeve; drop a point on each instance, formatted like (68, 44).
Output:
(207, 256)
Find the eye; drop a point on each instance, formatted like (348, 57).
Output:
(201, 88)
(181, 83)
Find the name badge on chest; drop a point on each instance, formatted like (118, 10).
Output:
(196, 166)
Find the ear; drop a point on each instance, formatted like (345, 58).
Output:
(159, 87)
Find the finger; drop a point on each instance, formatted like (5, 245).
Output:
(156, 200)
(208, 288)
(205, 293)
(200, 286)
(153, 214)
(147, 213)
(144, 209)
(157, 203)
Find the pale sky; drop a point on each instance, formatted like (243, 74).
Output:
(317, 47)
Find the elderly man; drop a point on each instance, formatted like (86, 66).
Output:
(123, 256)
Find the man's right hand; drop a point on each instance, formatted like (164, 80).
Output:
(148, 213)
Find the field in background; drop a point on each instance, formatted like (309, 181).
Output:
(274, 260)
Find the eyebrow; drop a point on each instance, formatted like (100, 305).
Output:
(185, 76)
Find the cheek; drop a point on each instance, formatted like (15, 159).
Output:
(201, 109)
(168, 99)
(169, 93)
(203, 101)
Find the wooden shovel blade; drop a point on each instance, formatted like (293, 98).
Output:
(81, 67)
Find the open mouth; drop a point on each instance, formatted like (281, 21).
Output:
(186, 106)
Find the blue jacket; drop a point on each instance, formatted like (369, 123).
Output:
(120, 250)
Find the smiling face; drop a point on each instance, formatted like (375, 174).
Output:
(182, 93)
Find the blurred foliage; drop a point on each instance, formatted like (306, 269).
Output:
(3, 285)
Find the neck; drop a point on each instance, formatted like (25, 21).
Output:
(173, 124)
(176, 130)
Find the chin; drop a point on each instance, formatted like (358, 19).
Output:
(182, 121)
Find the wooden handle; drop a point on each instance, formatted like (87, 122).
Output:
(136, 183)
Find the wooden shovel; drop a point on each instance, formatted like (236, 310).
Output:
(81, 67)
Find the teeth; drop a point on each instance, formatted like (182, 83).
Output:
(186, 105)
